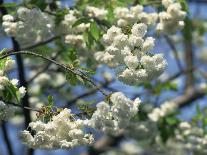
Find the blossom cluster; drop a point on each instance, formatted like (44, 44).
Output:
(193, 138)
(74, 35)
(99, 13)
(127, 16)
(129, 54)
(164, 110)
(62, 132)
(6, 111)
(8, 90)
(174, 15)
(28, 23)
(112, 117)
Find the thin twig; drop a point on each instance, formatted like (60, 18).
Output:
(175, 52)
(43, 69)
(34, 45)
(90, 92)
(72, 70)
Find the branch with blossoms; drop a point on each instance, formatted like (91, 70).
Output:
(121, 36)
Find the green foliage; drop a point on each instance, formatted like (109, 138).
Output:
(59, 16)
(167, 126)
(38, 3)
(159, 87)
(48, 111)
(9, 5)
(200, 119)
(72, 78)
(184, 5)
(84, 20)
(169, 86)
(10, 92)
(86, 108)
(142, 2)
(95, 31)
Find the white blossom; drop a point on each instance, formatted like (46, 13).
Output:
(172, 16)
(99, 13)
(164, 110)
(111, 119)
(130, 52)
(29, 23)
(62, 132)
(6, 111)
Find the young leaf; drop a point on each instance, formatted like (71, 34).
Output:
(95, 31)
(81, 20)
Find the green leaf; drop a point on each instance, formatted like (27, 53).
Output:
(110, 15)
(60, 14)
(142, 2)
(184, 5)
(50, 100)
(9, 5)
(71, 78)
(172, 120)
(95, 31)
(10, 92)
(81, 20)
(80, 79)
(39, 3)
(88, 70)
(88, 38)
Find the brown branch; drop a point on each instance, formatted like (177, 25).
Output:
(189, 96)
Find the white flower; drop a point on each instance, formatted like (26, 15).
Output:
(167, 3)
(8, 18)
(131, 62)
(41, 23)
(22, 91)
(99, 13)
(148, 44)
(139, 30)
(6, 111)
(165, 109)
(14, 82)
(62, 132)
(172, 16)
(112, 118)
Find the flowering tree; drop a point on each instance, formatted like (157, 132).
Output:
(63, 55)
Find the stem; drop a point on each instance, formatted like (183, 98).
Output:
(35, 45)
(72, 70)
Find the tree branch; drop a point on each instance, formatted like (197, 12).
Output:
(6, 138)
(34, 46)
(189, 96)
(67, 68)
(90, 92)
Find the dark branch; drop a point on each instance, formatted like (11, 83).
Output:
(6, 138)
